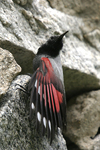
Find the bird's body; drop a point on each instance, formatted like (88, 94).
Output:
(56, 64)
(46, 87)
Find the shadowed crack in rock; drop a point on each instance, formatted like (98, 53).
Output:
(98, 133)
(22, 56)
(77, 83)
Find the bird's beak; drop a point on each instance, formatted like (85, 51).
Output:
(61, 36)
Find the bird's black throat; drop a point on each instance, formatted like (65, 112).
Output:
(49, 50)
(52, 47)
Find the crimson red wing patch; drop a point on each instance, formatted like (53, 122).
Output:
(47, 98)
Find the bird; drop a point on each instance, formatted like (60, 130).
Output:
(46, 87)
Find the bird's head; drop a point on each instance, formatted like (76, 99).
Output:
(52, 46)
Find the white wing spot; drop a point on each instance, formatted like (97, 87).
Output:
(32, 105)
(39, 117)
(39, 90)
(49, 125)
(36, 83)
(44, 121)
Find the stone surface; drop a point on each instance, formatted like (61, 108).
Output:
(87, 10)
(77, 82)
(16, 129)
(83, 120)
(97, 145)
(22, 37)
(23, 2)
(25, 25)
(38, 22)
(93, 38)
(8, 70)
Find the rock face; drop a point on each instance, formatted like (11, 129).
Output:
(24, 26)
(83, 116)
(8, 70)
(87, 10)
(16, 130)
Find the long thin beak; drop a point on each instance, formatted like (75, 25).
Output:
(61, 36)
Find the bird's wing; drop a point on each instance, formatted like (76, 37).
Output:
(47, 98)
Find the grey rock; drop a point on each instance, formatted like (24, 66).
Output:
(38, 22)
(83, 120)
(25, 25)
(77, 82)
(9, 69)
(94, 38)
(16, 129)
(88, 10)
(97, 145)
(23, 2)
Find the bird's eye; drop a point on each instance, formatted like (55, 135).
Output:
(52, 37)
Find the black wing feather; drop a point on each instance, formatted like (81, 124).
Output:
(47, 97)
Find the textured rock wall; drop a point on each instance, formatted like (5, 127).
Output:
(16, 130)
(8, 70)
(24, 26)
